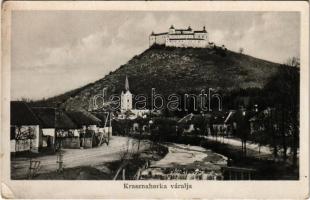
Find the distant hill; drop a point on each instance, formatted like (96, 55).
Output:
(172, 70)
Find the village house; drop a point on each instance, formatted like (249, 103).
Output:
(105, 126)
(25, 128)
(259, 120)
(218, 123)
(187, 124)
(141, 125)
(237, 117)
(88, 125)
(194, 122)
(54, 122)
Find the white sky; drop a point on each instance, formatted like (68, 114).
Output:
(56, 51)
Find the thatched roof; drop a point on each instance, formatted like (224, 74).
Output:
(83, 117)
(21, 114)
(53, 118)
(192, 118)
(102, 117)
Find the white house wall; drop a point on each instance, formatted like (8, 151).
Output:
(24, 144)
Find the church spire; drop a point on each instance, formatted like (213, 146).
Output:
(126, 84)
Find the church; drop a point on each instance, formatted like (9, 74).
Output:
(181, 38)
(126, 104)
(126, 98)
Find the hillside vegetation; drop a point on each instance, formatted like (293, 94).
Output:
(177, 70)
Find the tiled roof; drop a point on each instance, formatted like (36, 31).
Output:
(102, 117)
(191, 118)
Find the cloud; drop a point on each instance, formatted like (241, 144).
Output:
(61, 68)
(85, 46)
(273, 36)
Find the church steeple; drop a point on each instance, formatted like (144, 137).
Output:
(126, 97)
(126, 84)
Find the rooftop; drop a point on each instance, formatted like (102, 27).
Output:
(83, 117)
(21, 114)
(52, 118)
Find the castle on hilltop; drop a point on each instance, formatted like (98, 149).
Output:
(181, 38)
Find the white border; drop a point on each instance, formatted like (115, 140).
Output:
(114, 189)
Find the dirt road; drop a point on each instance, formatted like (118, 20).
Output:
(237, 142)
(80, 157)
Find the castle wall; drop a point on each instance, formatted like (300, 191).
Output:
(158, 39)
(181, 38)
(187, 43)
(152, 40)
(201, 36)
(161, 39)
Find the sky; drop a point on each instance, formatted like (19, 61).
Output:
(57, 51)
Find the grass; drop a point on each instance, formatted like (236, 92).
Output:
(76, 173)
(173, 70)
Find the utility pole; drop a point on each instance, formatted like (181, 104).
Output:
(59, 159)
(110, 127)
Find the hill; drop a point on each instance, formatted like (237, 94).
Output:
(178, 70)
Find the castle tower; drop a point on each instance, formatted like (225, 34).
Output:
(126, 97)
(171, 30)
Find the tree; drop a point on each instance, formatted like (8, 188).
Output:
(241, 50)
(243, 128)
(201, 122)
(164, 129)
(283, 91)
(259, 134)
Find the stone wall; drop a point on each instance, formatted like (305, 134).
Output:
(184, 36)
(187, 43)
(158, 39)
